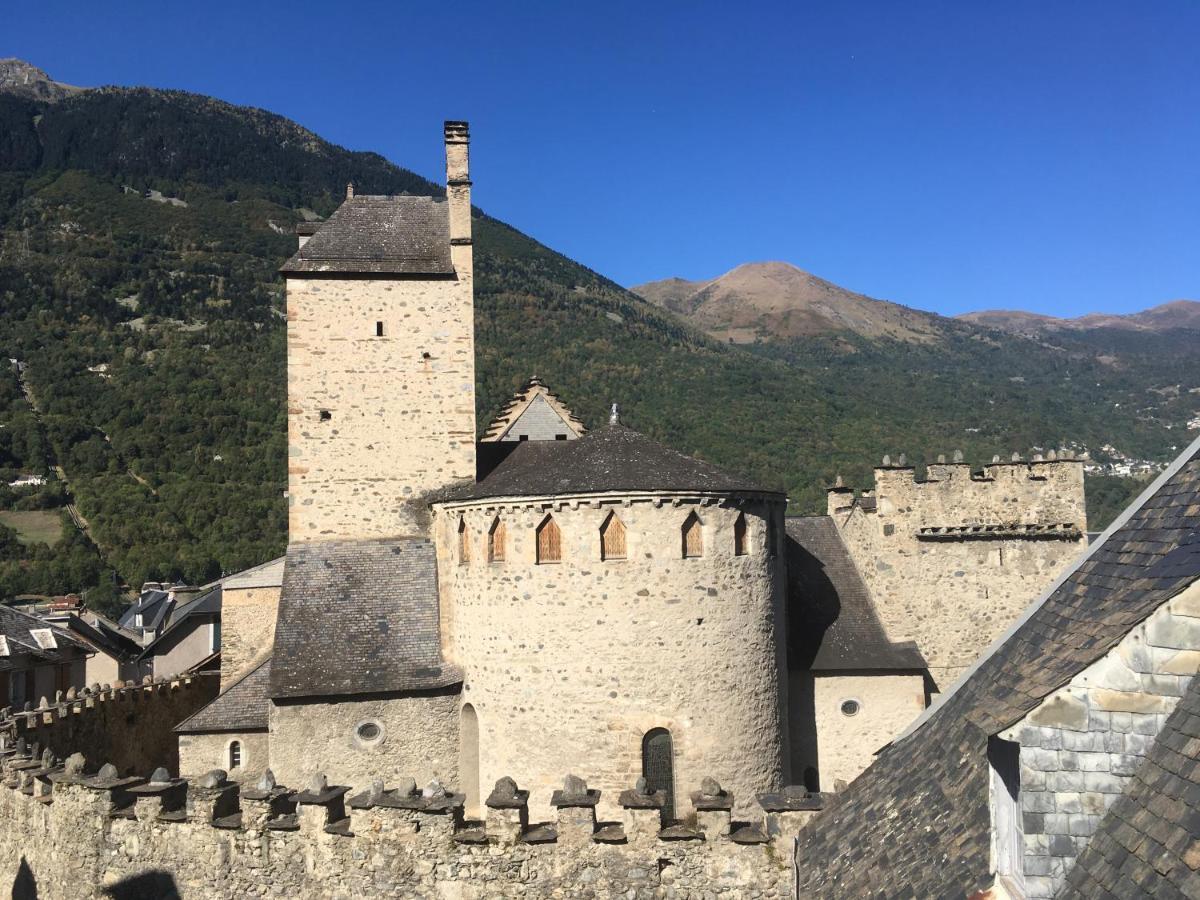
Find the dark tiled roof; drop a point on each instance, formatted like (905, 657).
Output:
(519, 403)
(16, 627)
(832, 623)
(916, 822)
(152, 606)
(359, 617)
(379, 235)
(613, 458)
(243, 706)
(1148, 845)
(208, 603)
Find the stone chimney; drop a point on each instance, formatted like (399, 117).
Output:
(458, 195)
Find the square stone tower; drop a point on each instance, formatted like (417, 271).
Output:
(381, 360)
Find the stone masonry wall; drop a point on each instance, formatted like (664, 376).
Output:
(569, 665)
(418, 737)
(375, 422)
(846, 745)
(955, 592)
(130, 726)
(1081, 745)
(68, 837)
(200, 753)
(247, 628)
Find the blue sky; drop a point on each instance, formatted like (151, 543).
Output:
(949, 155)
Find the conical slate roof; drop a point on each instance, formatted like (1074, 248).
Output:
(613, 458)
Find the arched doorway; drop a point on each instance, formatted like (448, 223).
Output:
(468, 759)
(658, 766)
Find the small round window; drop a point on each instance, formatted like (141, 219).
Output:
(368, 732)
(850, 707)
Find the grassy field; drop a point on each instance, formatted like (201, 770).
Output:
(35, 525)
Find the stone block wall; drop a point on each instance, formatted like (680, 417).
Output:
(376, 421)
(65, 836)
(247, 628)
(953, 560)
(128, 725)
(1080, 746)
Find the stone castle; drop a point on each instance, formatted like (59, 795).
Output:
(549, 599)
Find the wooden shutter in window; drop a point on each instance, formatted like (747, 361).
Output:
(549, 542)
(612, 538)
(693, 537)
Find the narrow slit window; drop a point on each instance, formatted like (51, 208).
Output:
(612, 538)
(464, 543)
(693, 537)
(235, 755)
(496, 540)
(549, 542)
(739, 536)
(378, 329)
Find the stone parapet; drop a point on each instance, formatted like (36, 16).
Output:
(216, 838)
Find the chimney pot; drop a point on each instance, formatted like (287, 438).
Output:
(349, 190)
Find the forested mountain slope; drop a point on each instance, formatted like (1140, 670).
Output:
(140, 235)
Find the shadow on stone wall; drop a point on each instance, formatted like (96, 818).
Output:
(24, 885)
(147, 886)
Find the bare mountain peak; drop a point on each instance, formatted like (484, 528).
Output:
(26, 80)
(1167, 316)
(773, 299)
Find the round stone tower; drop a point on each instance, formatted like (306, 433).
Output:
(617, 608)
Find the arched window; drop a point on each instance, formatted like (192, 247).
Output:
(739, 536)
(497, 536)
(612, 538)
(464, 543)
(549, 542)
(658, 766)
(693, 536)
(235, 755)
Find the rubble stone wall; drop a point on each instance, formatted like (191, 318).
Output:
(61, 839)
(569, 665)
(129, 726)
(953, 560)
(1082, 744)
(417, 735)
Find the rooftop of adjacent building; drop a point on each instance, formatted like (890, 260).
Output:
(917, 821)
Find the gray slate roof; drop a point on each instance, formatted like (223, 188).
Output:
(1148, 844)
(379, 235)
(916, 822)
(359, 617)
(243, 706)
(612, 458)
(832, 622)
(16, 627)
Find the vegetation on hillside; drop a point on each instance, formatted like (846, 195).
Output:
(152, 344)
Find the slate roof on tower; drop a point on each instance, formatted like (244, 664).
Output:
(612, 458)
(917, 823)
(534, 391)
(359, 617)
(243, 706)
(832, 622)
(402, 235)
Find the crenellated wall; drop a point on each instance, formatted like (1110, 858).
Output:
(953, 559)
(570, 664)
(129, 724)
(67, 836)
